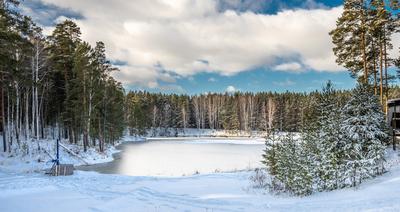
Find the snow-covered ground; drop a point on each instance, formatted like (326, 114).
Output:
(22, 189)
(28, 158)
(90, 191)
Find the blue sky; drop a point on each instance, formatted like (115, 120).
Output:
(208, 45)
(258, 81)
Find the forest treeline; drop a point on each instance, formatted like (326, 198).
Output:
(288, 111)
(57, 86)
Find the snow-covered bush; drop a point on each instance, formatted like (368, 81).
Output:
(286, 162)
(260, 178)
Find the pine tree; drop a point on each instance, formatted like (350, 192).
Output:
(15, 53)
(80, 89)
(59, 83)
(350, 38)
(383, 25)
(362, 39)
(63, 43)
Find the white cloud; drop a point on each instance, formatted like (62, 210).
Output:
(231, 89)
(293, 67)
(395, 52)
(193, 36)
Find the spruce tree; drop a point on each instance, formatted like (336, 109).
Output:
(328, 144)
(364, 132)
(288, 165)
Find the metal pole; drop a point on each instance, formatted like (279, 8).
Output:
(58, 152)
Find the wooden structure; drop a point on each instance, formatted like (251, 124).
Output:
(393, 118)
(60, 169)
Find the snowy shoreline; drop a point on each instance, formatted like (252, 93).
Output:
(38, 161)
(91, 191)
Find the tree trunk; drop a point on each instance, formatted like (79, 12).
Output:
(101, 140)
(85, 116)
(9, 124)
(17, 114)
(381, 70)
(27, 114)
(36, 94)
(375, 73)
(386, 73)
(364, 59)
(3, 116)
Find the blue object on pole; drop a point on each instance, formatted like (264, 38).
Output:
(57, 160)
(58, 152)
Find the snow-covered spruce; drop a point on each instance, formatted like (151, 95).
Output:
(327, 141)
(343, 147)
(364, 134)
(287, 165)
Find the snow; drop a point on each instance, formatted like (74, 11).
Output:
(23, 187)
(32, 160)
(90, 191)
(182, 157)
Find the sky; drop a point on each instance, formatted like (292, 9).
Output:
(199, 46)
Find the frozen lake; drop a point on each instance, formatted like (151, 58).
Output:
(183, 156)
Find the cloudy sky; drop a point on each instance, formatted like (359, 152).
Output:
(196, 46)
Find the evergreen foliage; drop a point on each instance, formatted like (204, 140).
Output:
(362, 40)
(345, 146)
(365, 133)
(328, 140)
(287, 164)
(55, 86)
(287, 111)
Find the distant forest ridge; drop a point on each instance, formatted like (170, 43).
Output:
(288, 111)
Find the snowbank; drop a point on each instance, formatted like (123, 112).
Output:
(34, 156)
(89, 191)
